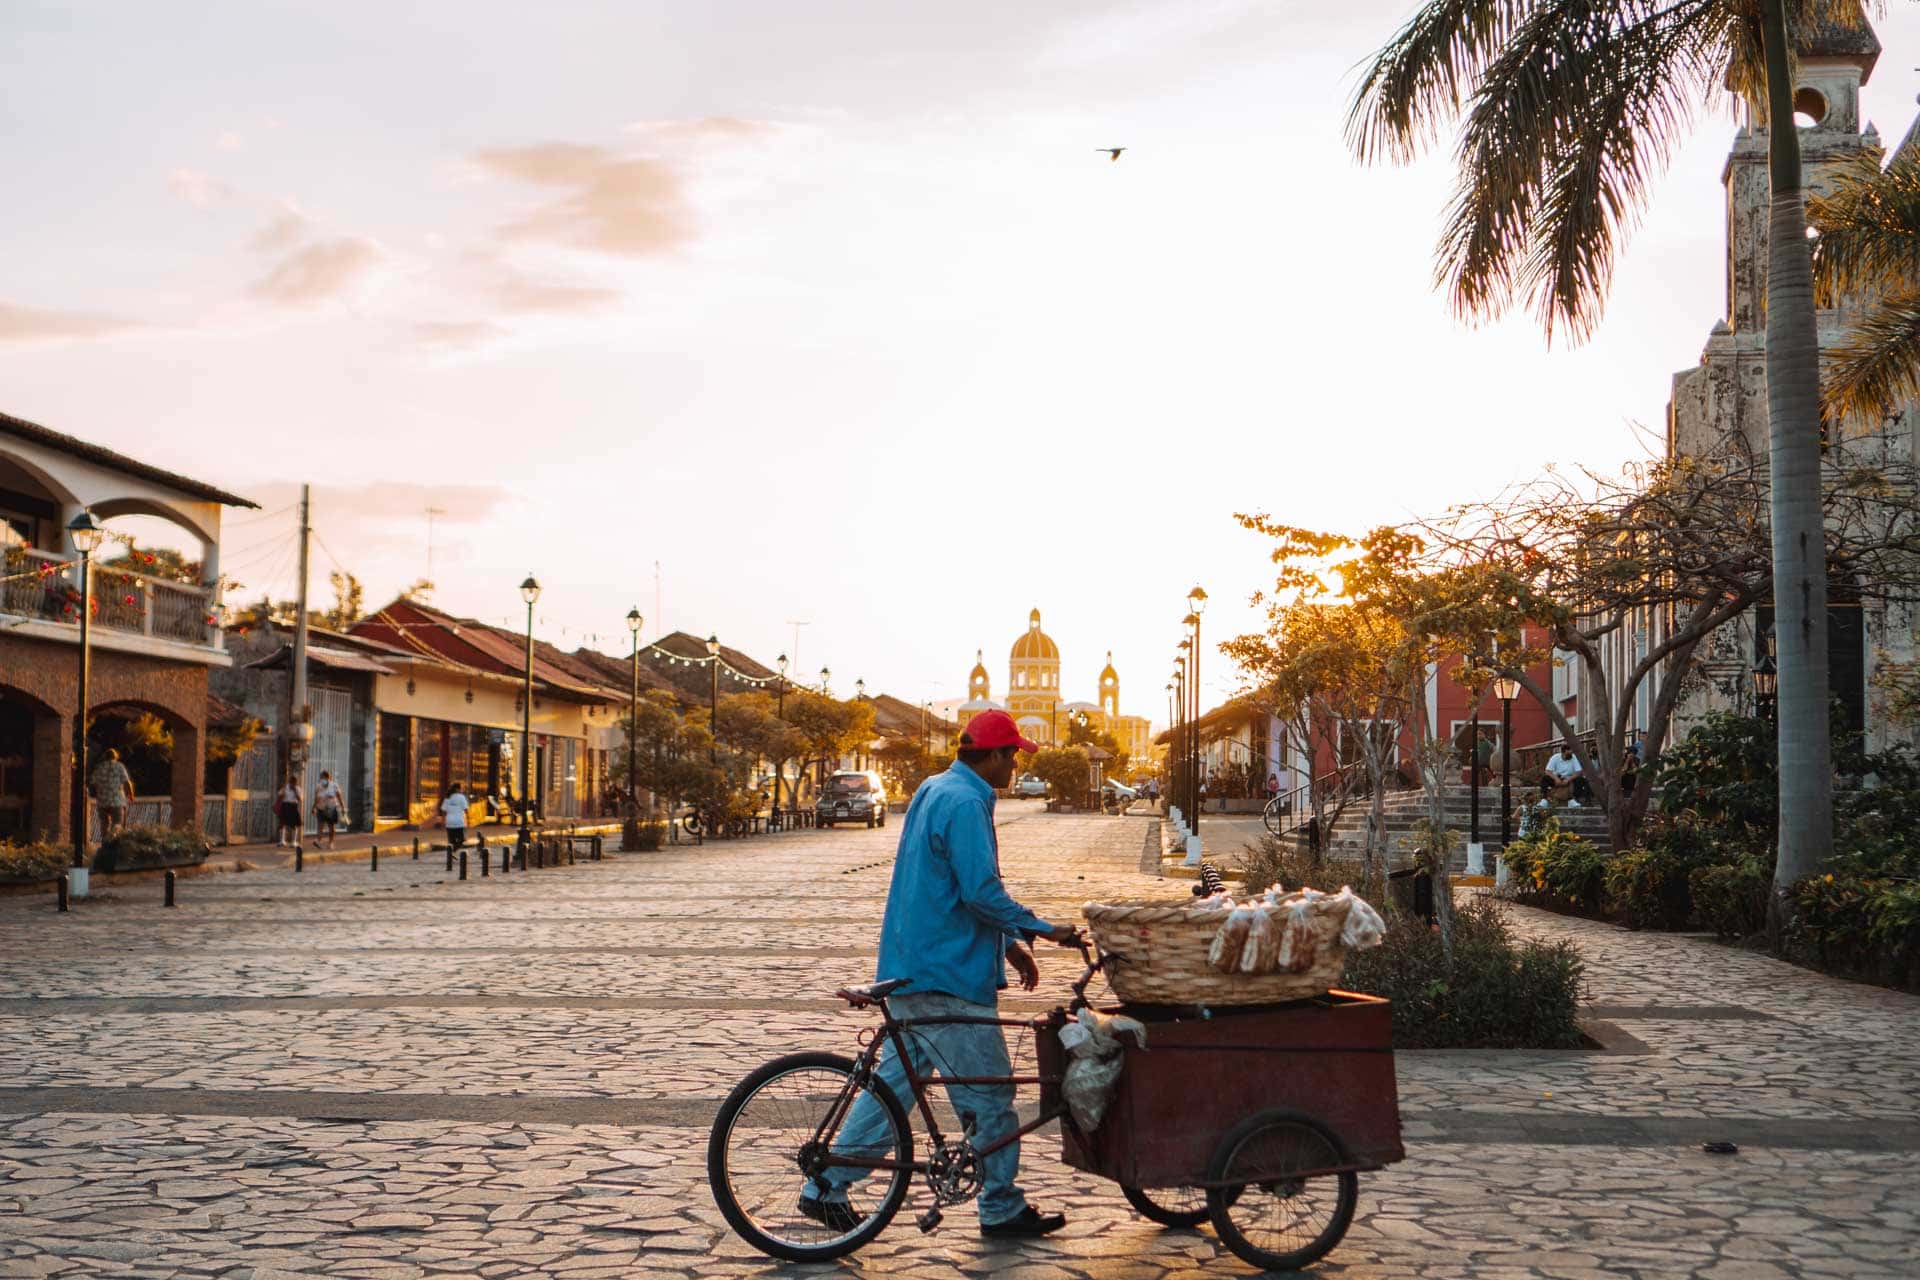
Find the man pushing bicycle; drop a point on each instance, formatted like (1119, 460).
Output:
(950, 929)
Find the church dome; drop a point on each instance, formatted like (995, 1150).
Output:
(1035, 643)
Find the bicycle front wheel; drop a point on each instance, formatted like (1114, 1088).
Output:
(763, 1153)
(1272, 817)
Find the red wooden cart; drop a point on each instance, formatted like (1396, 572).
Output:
(1259, 1118)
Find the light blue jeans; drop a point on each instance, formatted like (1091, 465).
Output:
(959, 1050)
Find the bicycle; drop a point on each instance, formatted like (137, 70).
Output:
(781, 1127)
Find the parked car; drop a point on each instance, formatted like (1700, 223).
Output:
(1030, 786)
(852, 797)
(1116, 790)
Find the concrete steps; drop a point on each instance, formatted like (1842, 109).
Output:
(1403, 809)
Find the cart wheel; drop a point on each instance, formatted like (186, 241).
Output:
(1285, 1214)
(1169, 1206)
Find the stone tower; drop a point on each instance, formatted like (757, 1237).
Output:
(979, 684)
(1110, 690)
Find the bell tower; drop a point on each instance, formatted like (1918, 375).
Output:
(979, 684)
(1110, 690)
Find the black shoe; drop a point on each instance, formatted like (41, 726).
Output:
(1028, 1222)
(835, 1215)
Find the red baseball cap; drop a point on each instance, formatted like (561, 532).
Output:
(992, 729)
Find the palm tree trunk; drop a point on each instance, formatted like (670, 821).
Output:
(1799, 535)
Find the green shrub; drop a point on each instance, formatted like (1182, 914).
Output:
(145, 848)
(1650, 887)
(34, 862)
(1857, 925)
(1557, 866)
(1499, 992)
(1732, 899)
(1274, 861)
(1726, 771)
(642, 837)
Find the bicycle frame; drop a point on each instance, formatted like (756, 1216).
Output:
(893, 1030)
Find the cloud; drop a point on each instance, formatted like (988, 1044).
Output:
(724, 128)
(34, 324)
(515, 294)
(630, 206)
(201, 190)
(317, 272)
(284, 232)
(456, 334)
(229, 140)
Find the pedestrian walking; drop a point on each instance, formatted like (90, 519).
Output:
(289, 812)
(950, 930)
(112, 788)
(329, 804)
(453, 812)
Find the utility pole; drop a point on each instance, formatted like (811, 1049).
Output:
(299, 728)
(431, 513)
(796, 625)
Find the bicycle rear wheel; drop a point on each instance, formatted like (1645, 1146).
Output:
(761, 1148)
(1272, 818)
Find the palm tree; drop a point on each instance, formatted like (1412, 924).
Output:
(1569, 108)
(1869, 253)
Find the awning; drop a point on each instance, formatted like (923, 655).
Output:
(322, 656)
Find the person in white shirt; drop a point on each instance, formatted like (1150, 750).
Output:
(454, 812)
(329, 805)
(1564, 775)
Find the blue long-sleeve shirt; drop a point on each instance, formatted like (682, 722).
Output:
(948, 916)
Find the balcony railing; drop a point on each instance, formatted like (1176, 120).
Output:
(39, 584)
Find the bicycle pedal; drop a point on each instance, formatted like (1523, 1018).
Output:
(928, 1220)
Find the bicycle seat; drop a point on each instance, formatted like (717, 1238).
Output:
(861, 997)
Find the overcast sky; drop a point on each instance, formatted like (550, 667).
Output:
(831, 309)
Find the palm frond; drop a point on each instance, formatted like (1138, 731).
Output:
(1415, 86)
(1869, 224)
(1877, 367)
(1568, 127)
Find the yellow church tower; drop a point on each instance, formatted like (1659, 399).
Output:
(1110, 690)
(1033, 682)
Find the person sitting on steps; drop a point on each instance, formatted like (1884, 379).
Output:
(1565, 777)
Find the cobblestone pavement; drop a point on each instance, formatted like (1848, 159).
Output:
(396, 1074)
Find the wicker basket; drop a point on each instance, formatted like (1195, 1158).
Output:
(1157, 954)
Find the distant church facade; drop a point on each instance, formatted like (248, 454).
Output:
(1034, 699)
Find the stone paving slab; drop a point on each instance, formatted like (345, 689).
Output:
(338, 1073)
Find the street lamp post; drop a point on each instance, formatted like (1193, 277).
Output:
(86, 534)
(1179, 752)
(713, 700)
(780, 713)
(530, 592)
(1196, 605)
(634, 622)
(1506, 688)
(1766, 683)
(859, 695)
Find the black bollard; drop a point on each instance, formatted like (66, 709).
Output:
(463, 864)
(299, 856)
(62, 891)
(373, 864)
(416, 848)
(569, 852)
(169, 898)
(596, 847)
(485, 861)
(449, 857)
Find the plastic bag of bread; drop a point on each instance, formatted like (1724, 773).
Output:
(1261, 951)
(1364, 927)
(1297, 939)
(1224, 954)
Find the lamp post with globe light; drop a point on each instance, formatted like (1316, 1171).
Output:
(1506, 688)
(632, 834)
(529, 592)
(1196, 605)
(780, 713)
(86, 534)
(713, 699)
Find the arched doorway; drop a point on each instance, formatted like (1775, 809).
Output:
(161, 750)
(29, 766)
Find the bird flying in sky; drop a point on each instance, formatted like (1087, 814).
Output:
(1112, 153)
